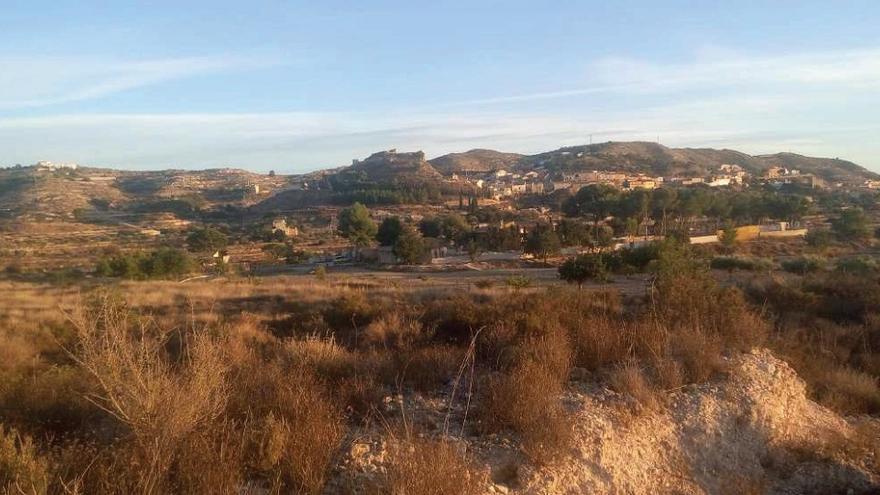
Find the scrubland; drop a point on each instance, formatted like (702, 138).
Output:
(301, 385)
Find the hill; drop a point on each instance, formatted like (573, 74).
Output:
(390, 166)
(31, 192)
(476, 160)
(384, 177)
(656, 159)
(830, 169)
(642, 157)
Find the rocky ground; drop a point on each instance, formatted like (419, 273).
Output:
(754, 431)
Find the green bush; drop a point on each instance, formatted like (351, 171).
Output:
(518, 282)
(206, 239)
(803, 265)
(861, 265)
(640, 256)
(582, 268)
(163, 263)
(819, 238)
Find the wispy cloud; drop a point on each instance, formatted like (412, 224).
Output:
(43, 81)
(716, 69)
(299, 141)
(815, 103)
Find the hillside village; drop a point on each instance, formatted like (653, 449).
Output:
(492, 192)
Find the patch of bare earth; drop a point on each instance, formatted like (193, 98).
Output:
(753, 431)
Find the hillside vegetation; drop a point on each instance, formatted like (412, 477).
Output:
(331, 384)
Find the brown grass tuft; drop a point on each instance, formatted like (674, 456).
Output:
(22, 469)
(421, 466)
(527, 400)
(630, 379)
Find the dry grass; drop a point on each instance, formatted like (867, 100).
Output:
(294, 425)
(630, 379)
(527, 400)
(395, 331)
(161, 402)
(850, 391)
(421, 466)
(22, 469)
(256, 381)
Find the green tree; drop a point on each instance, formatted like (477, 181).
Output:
(663, 201)
(168, 262)
(389, 231)
(851, 224)
(574, 233)
(410, 247)
(451, 226)
(728, 236)
(206, 239)
(582, 268)
(431, 227)
(543, 242)
(454, 226)
(602, 238)
(596, 201)
(356, 225)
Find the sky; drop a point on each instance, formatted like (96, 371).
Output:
(296, 86)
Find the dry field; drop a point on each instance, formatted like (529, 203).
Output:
(435, 383)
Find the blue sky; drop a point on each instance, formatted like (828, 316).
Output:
(295, 86)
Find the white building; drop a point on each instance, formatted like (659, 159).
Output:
(47, 165)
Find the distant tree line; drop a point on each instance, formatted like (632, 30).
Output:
(163, 263)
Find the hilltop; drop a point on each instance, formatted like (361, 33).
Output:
(476, 160)
(390, 166)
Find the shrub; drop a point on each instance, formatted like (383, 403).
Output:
(803, 265)
(527, 400)
(211, 460)
(484, 284)
(819, 238)
(640, 257)
(163, 263)
(850, 391)
(582, 268)
(206, 239)
(421, 466)
(861, 265)
(629, 378)
(394, 330)
(160, 401)
(347, 314)
(22, 470)
(851, 224)
(13, 269)
(425, 369)
(517, 282)
(296, 426)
